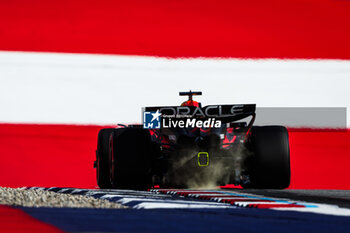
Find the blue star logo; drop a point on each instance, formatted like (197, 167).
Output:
(151, 120)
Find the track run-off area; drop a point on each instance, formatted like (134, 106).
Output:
(214, 198)
(212, 210)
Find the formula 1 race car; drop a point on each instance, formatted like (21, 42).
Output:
(191, 146)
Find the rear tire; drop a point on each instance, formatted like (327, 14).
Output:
(269, 161)
(102, 168)
(131, 158)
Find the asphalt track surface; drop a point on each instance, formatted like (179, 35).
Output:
(163, 210)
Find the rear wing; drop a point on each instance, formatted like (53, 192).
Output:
(224, 113)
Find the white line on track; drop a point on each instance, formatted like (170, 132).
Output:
(153, 205)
